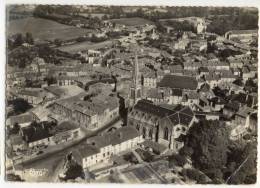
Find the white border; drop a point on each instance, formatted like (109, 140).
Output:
(238, 3)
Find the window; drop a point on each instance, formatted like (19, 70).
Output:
(166, 132)
(138, 127)
(144, 132)
(151, 133)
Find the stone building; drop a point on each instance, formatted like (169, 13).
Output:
(165, 124)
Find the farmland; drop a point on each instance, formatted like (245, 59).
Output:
(84, 46)
(131, 21)
(43, 29)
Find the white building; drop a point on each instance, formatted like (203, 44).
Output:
(99, 149)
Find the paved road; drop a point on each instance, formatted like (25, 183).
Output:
(68, 148)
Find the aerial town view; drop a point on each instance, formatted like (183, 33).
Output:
(131, 94)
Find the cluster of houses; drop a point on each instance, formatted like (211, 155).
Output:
(164, 96)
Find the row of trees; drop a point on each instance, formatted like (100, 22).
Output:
(240, 21)
(18, 39)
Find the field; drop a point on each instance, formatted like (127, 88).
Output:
(84, 46)
(131, 21)
(43, 29)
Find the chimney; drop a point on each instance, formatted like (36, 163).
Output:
(120, 135)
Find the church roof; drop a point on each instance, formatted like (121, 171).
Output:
(177, 114)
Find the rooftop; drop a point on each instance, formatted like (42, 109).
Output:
(20, 119)
(181, 82)
(113, 138)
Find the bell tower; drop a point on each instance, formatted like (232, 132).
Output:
(135, 89)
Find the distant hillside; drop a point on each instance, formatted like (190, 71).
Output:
(43, 29)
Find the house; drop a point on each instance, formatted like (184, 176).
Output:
(176, 96)
(203, 71)
(93, 56)
(38, 65)
(236, 71)
(251, 122)
(215, 64)
(227, 76)
(65, 80)
(235, 63)
(17, 143)
(247, 74)
(207, 115)
(150, 80)
(41, 113)
(206, 91)
(35, 96)
(100, 149)
(158, 96)
(89, 110)
(163, 124)
(212, 79)
(199, 45)
(190, 98)
(176, 69)
(230, 109)
(249, 100)
(243, 35)
(65, 131)
(36, 136)
(245, 123)
(22, 120)
(182, 44)
(241, 115)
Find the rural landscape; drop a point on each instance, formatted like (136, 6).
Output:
(131, 94)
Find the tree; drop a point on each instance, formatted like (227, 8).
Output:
(209, 141)
(19, 40)
(245, 171)
(177, 160)
(104, 17)
(51, 80)
(29, 38)
(20, 105)
(13, 177)
(57, 42)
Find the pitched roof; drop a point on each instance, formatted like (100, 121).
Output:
(113, 138)
(156, 93)
(35, 133)
(83, 151)
(181, 82)
(176, 114)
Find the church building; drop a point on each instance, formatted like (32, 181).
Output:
(164, 124)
